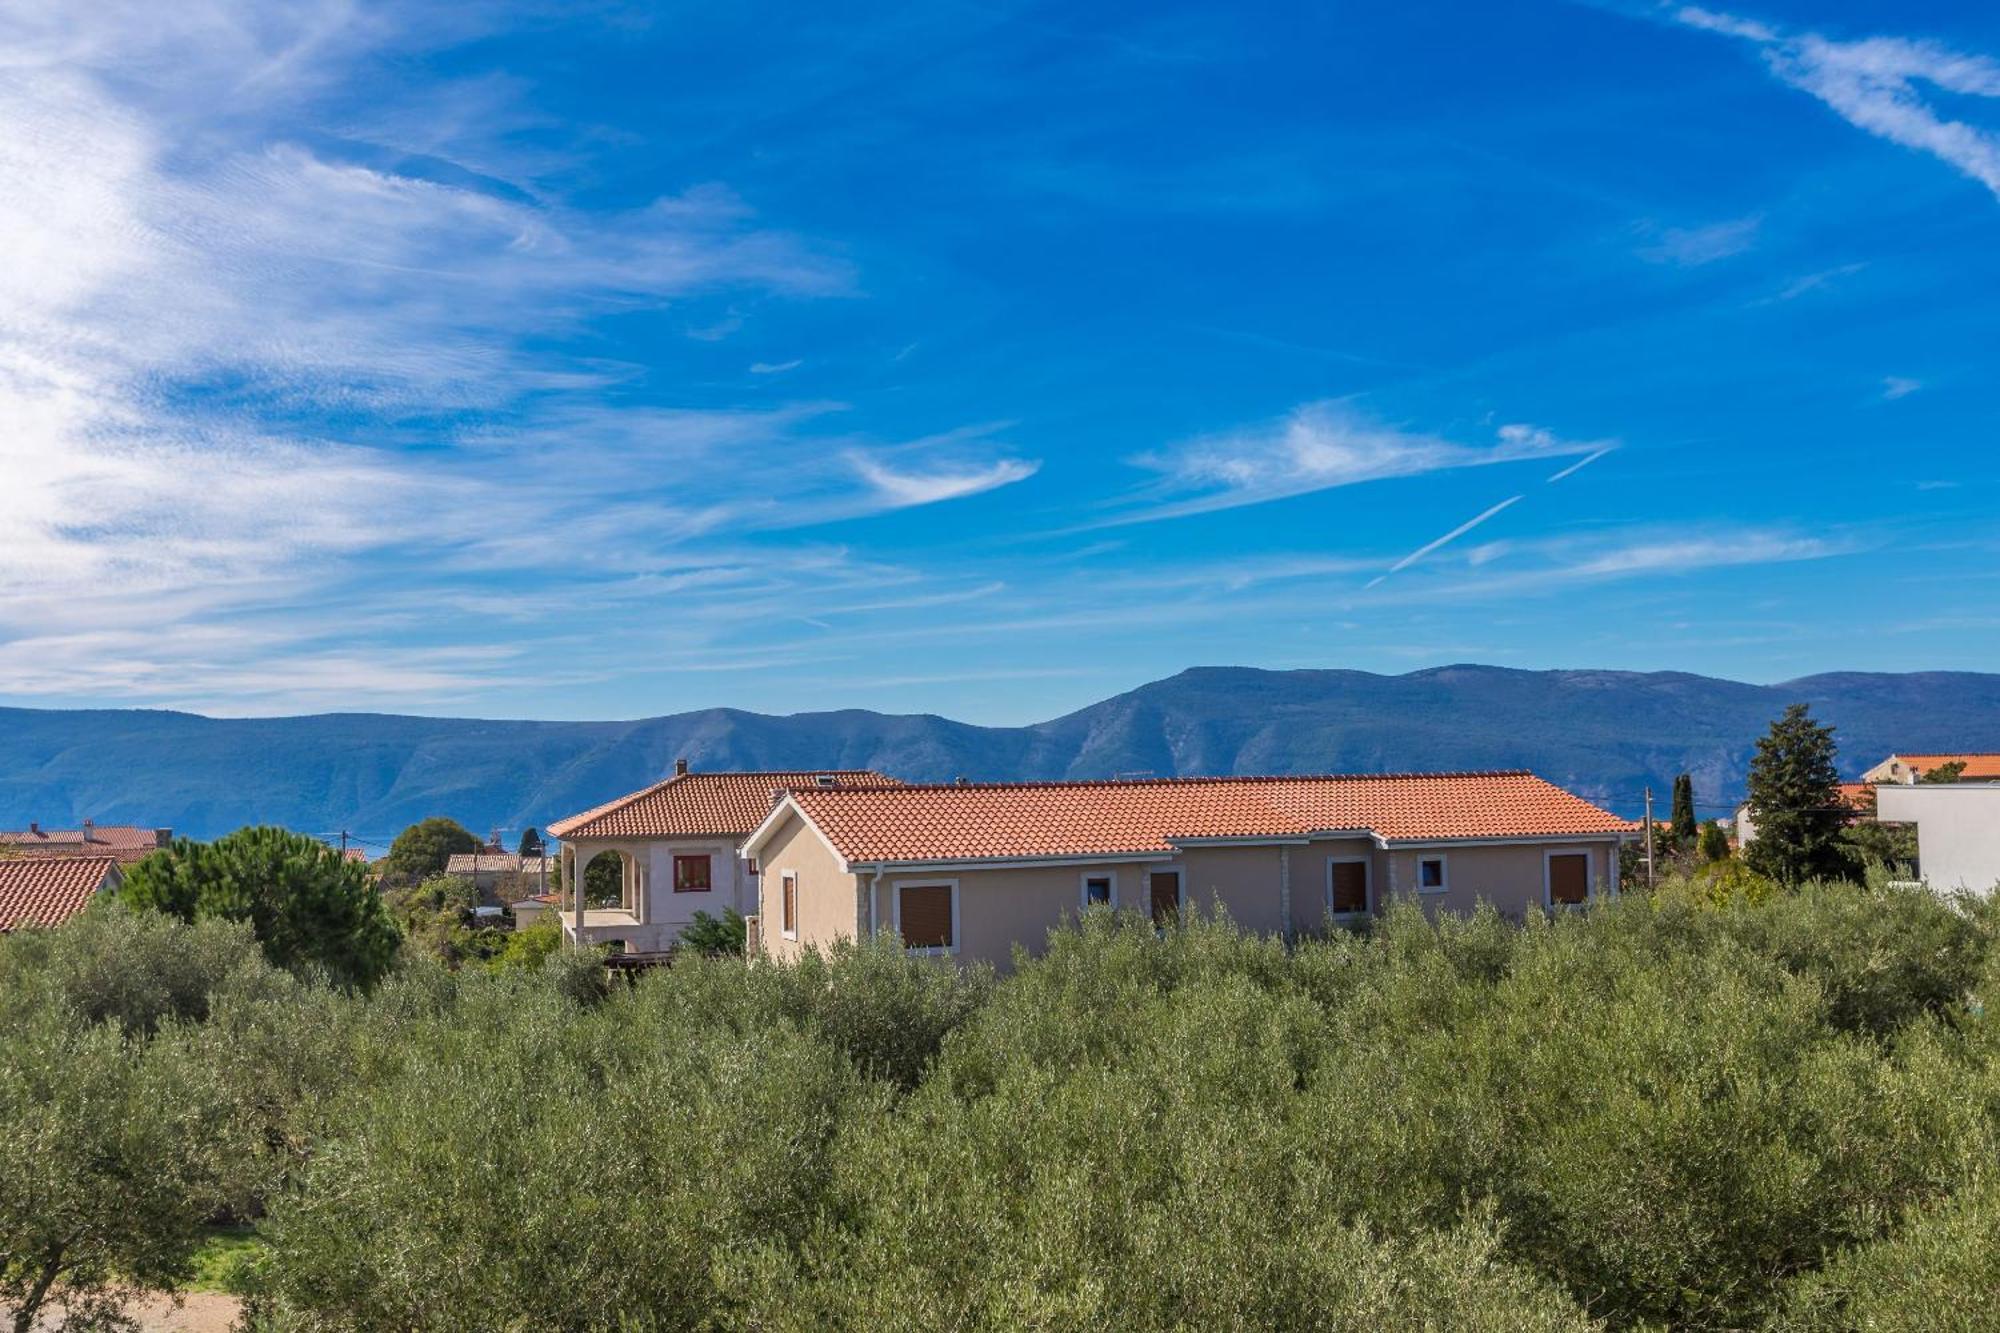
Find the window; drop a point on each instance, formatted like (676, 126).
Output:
(1347, 886)
(1100, 890)
(926, 916)
(1430, 874)
(1568, 878)
(750, 866)
(1164, 888)
(788, 911)
(691, 874)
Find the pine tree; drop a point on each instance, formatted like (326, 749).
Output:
(1683, 826)
(1795, 802)
(531, 842)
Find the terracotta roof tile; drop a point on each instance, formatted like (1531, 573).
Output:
(122, 841)
(1978, 767)
(49, 890)
(1006, 821)
(695, 805)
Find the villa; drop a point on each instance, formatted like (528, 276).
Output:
(971, 870)
(675, 843)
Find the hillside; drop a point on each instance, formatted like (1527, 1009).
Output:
(1604, 733)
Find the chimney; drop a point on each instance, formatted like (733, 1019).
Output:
(680, 768)
(89, 831)
(163, 837)
(34, 829)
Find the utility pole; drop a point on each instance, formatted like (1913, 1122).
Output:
(1649, 839)
(343, 844)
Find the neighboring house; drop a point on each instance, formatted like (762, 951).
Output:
(121, 842)
(1858, 797)
(676, 844)
(49, 890)
(490, 870)
(973, 870)
(1958, 830)
(529, 910)
(1912, 767)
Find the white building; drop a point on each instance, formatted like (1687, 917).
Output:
(1958, 830)
(675, 845)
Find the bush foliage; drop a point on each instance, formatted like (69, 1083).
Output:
(1707, 1111)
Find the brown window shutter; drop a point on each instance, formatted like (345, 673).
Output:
(1569, 878)
(925, 916)
(1350, 887)
(791, 893)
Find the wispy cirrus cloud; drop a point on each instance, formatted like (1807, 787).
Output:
(1692, 247)
(278, 350)
(1320, 446)
(900, 487)
(1548, 564)
(1884, 85)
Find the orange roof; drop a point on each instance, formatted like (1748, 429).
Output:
(1026, 821)
(1860, 795)
(49, 890)
(1978, 767)
(698, 805)
(119, 840)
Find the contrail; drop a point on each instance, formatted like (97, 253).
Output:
(1451, 536)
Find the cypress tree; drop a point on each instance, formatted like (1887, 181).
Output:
(1684, 832)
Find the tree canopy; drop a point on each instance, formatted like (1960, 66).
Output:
(423, 849)
(1795, 802)
(308, 905)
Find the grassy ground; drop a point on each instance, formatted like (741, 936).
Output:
(222, 1253)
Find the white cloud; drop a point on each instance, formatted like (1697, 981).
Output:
(237, 290)
(775, 367)
(1899, 386)
(1318, 447)
(1691, 247)
(901, 488)
(1878, 84)
(1523, 568)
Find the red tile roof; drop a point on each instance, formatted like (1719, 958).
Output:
(1978, 767)
(118, 840)
(49, 890)
(697, 805)
(1008, 821)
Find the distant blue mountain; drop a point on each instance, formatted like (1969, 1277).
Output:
(1606, 734)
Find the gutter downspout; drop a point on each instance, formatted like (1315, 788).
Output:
(1285, 894)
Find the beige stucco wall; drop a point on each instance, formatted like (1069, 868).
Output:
(1001, 907)
(998, 908)
(827, 902)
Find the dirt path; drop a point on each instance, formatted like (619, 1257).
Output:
(200, 1312)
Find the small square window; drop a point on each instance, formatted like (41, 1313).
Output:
(1430, 874)
(1097, 891)
(924, 916)
(691, 874)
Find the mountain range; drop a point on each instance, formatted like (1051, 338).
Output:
(1604, 734)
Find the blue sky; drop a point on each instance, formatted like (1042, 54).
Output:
(603, 360)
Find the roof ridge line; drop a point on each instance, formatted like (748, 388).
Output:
(1183, 781)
